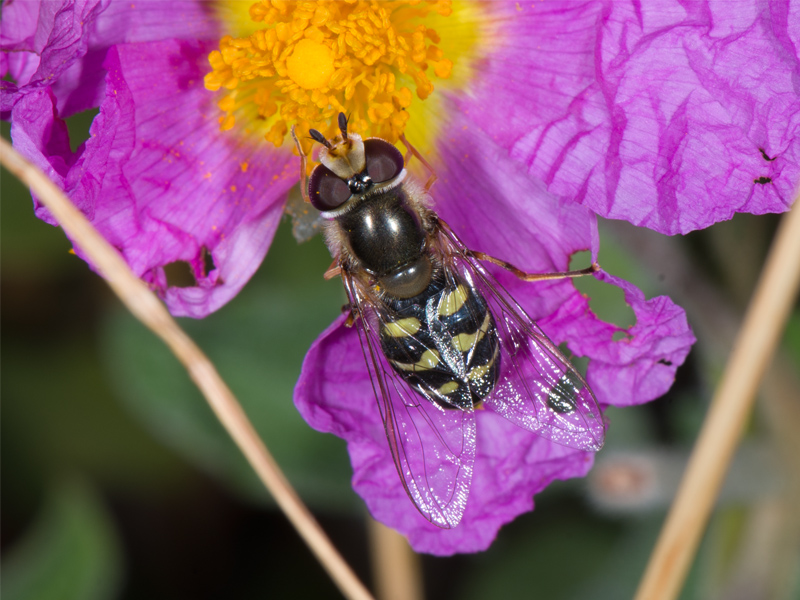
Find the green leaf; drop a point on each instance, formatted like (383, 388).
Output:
(70, 553)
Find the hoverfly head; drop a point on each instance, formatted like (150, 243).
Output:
(350, 167)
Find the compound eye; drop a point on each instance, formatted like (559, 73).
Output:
(384, 161)
(326, 190)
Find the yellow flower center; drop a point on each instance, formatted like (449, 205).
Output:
(308, 61)
(310, 65)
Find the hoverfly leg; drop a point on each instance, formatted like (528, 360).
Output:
(351, 316)
(534, 276)
(414, 152)
(431, 180)
(519, 272)
(303, 173)
(335, 270)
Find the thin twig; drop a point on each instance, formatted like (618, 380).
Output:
(397, 568)
(148, 309)
(730, 408)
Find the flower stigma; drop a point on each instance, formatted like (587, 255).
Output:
(305, 62)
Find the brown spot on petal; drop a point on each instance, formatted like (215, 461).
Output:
(765, 156)
(208, 261)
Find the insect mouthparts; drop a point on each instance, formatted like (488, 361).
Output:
(359, 183)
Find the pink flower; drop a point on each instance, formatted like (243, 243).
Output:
(156, 177)
(543, 115)
(497, 209)
(671, 115)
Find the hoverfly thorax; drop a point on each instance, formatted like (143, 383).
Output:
(375, 223)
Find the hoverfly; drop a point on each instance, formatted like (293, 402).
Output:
(440, 336)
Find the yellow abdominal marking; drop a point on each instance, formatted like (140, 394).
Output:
(448, 388)
(402, 327)
(428, 360)
(481, 371)
(464, 341)
(452, 302)
(305, 62)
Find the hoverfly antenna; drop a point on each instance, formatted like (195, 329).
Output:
(343, 125)
(319, 137)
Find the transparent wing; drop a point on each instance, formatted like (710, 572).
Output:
(433, 448)
(306, 220)
(537, 387)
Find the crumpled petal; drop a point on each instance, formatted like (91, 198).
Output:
(156, 177)
(495, 208)
(19, 25)
(498, 211)
(62, 43)
(49, 38)
(42, 137)
(640, 365)
(668, 114)
(196, 188)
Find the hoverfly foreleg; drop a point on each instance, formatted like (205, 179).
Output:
(351, 315)
(414, 152)
(335, 270)
(534, 276)
(303, 174)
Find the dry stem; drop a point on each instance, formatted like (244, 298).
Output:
(148, 309)
(397, 568)
(730, 408)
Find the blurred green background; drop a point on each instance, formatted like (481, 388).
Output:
(118, 483)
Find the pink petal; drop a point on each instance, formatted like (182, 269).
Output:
(157, 177)
(63, 43)
(670, 115)
(194, 186)
(334, 395)
(498, 210)
(639, 366)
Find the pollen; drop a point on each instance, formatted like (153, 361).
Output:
(311, 65)
(304, 62)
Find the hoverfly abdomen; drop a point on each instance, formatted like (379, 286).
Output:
(444, 343)
(561, 398)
